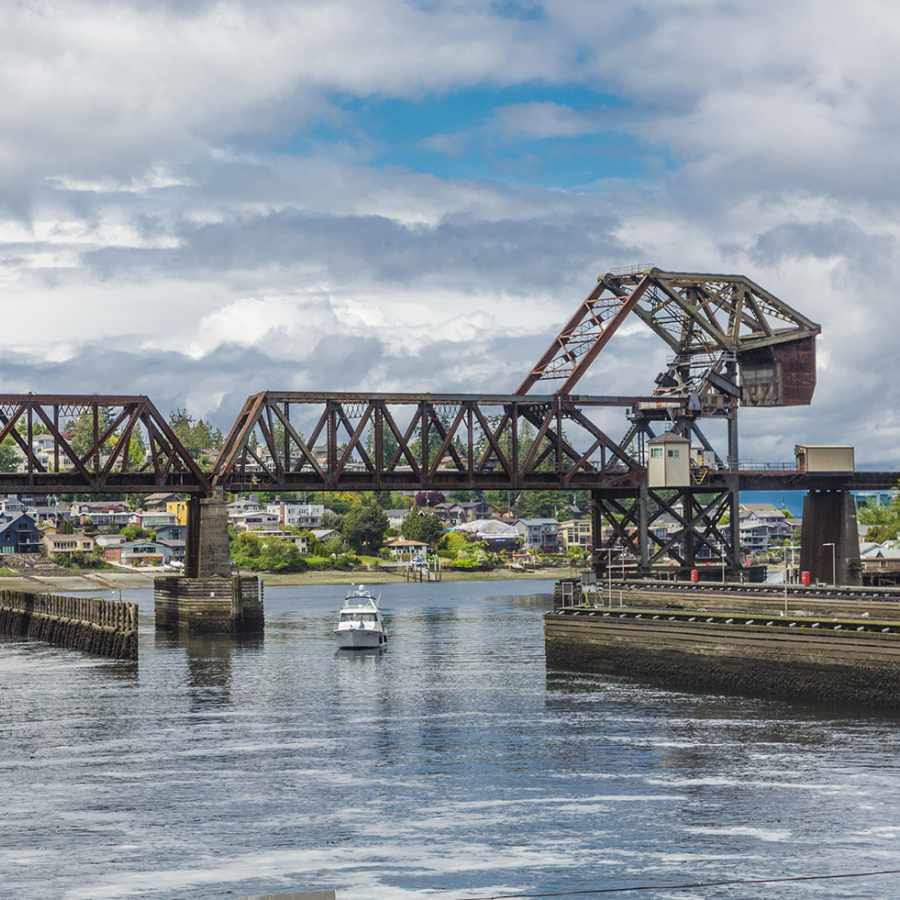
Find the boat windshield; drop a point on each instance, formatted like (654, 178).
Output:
(358, 617)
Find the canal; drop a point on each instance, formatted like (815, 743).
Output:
(453, 765)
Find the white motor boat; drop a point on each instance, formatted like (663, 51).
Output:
(360, 626)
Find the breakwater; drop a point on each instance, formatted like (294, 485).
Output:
(101, 627)
(840, 661)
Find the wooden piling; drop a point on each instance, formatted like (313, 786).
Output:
(101, 627)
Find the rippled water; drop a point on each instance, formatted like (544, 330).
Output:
(451, 765)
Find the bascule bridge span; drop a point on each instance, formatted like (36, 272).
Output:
(732, 345)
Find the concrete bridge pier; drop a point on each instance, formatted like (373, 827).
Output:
(829, 517)
(209, 598)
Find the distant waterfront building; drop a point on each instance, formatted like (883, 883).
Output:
(179, 509)
(495, 534)
(101, 513)
(140, 553)
(294, 514)
(255, 521)
(576, 533)
(539, 534)
(55, 543)
(19, 534)
(396, 517)
(150, 520)
(171, 533)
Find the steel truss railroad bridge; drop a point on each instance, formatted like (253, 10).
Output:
(732, 344)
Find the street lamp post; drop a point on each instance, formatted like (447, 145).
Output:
(833, 563)
(609, 551)
(784, 551)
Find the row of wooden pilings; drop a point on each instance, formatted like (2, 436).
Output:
(106, 628)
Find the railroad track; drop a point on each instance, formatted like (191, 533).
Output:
(789, 622)
(688, 588)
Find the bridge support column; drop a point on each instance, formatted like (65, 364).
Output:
(619, 517)
(698, 539)
(644, 530)
(207, 598)
(829, 517)
(207, 550)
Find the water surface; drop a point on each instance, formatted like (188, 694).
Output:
(451, 765)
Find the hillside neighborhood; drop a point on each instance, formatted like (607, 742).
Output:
(346, 531)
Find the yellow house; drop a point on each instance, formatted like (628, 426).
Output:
(576, 533)
(179, 509)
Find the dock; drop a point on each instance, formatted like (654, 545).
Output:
(830, 646)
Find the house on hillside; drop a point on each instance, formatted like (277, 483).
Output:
(255, 521)
(763, 525)
(495, 535)
(179, 509)
(19, 534)
(576, 533)
(171, 533)
(406, 549)
(396, 517)
(151, 519)
(178, 548)
(456, 513)
(101, 513)
(11, 506)
(159, 500)
(294, 514)
(140, 553)
(539, 534)
(64, 544)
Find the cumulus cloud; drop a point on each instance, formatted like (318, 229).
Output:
(159, 230)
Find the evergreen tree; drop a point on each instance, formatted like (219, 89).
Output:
(196, 435)
(419, 526)
(364, 526)
(9, 456)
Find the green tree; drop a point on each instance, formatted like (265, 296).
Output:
(80, 435)
(266, 554)
(196, 435)
(538, 504)
(883, 521)
(9, 456)
(364, 526)
(419, 526)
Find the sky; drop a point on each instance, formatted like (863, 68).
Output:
(200, 200)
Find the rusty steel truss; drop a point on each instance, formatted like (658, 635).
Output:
(732, 344)
(308, 441)
(73, 443)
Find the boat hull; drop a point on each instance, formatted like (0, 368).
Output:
(359, 639)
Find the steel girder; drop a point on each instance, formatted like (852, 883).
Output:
(76, 443)
(304, 441)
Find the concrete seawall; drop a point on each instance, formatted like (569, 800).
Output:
(101, 627)
(836, 666)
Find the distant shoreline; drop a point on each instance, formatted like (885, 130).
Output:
(114, 581)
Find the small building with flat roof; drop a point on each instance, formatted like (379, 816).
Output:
(670, 461)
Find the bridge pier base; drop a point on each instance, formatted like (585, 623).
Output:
(208, 598)
(829, 518)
